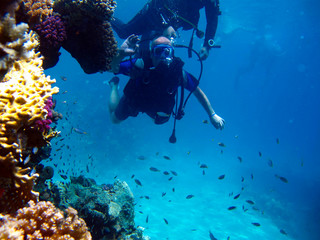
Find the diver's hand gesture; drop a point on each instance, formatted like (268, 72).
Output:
(217, 121)
(129, 46)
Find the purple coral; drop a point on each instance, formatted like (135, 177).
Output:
(43, 125)
(52, 32)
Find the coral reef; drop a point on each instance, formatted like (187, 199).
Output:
(15, 185)
(25, 95)
(35, 11)
(8, 6)
(15, 43)
(52, 33)
(108, 211)
(43, 221)
(90, 38)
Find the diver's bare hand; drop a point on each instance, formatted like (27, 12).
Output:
(217, 121)
(129, 46)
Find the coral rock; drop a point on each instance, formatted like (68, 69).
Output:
(90, 39)
(43, 221)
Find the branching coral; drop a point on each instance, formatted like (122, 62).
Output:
(15, 43)
(43, 221)
(90, 38)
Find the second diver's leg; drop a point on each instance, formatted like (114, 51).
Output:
(114, 99)
(141, 23)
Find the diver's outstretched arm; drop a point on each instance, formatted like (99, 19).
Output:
(216, 120)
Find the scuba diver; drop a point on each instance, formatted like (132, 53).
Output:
(154, 85)
(166, 16)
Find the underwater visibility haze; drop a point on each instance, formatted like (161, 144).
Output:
(259, 177)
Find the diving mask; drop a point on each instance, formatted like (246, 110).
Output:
(163, 52)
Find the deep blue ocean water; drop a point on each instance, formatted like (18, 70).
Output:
(264, 82)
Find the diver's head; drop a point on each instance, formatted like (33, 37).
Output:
(161, 51)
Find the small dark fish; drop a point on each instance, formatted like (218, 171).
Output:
(166, 221)
(132, 176)
(211, 236)
(78, 130)
(250, 202)
(221, 144)
(141, 212)
(236, 196)
(64, 176)
(174, 173)
(203, 172)
(283, 179)
(270, 163)
(283, 232)
(228, 238)
(147, 219)
(166, 157)
(115, 177)
(260, 154)
(232, 208)
(203, 166)
(189, 196)
(56, 165)
(251, 176)
(240, 159)
(87, 169)
(64, 92)
(170, 178)
(255, 208)
(277, 140)
(242, 178)
(193, 230)
(221, 177)
(147, 197)
(221, 151)
(141, 157)
(138, 182)
(205, 121)
(63, 78)
(173, 189)
(256, 224)
(166, 173)
(163, 194)
(153, 169)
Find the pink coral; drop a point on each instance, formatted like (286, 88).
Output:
(43, 125)
(52, 32)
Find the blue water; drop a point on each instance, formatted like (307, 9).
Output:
(264, 82)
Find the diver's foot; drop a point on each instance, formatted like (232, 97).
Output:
(114, 82)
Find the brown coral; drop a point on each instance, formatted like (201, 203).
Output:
(15, 185)
(90, 38)
(35, 11)
(43, 221)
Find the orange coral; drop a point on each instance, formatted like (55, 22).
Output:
(37, 10)
(43, 221)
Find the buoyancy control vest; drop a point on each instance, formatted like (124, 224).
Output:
(153, 90)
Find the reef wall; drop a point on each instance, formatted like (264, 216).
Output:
(31, 34)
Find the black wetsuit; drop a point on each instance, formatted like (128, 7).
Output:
(157, 15)
(152, 90)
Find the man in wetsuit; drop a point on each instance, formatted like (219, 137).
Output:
(153, 84)
(163, 15)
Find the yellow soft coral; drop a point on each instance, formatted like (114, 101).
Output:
(43, 221)
(23, 93)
